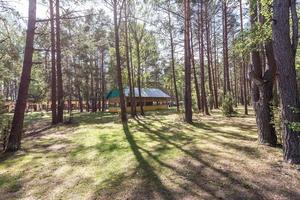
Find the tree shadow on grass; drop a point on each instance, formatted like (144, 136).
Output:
(94, 118)
(147, 170)
(195, 169)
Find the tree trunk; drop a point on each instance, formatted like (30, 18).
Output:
(195, 73)
(132, 99)
(102, 82)
(53, 67)
(87, 100)
(216, 81)
(133, 77)
(139, 76)
(14, 139)
(173, 62)
(60, 92)
(244, 80)
(225, 49)
(262, 89)
(210, 85)
(202, 75)
(118, 58)
(80, 100)
(284, 52)
(187, 63)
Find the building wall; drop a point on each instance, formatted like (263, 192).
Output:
(138, 109)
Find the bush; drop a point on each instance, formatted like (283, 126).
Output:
(227, 106)
(4, 123)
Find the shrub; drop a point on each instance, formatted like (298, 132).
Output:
(4, 123)
(227, 106)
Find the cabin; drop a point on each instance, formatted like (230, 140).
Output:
(152, 99)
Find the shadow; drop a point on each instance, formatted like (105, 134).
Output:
(164, 159)
(10, 184)
(147, 169)
(94, 118)
(195, 168)
(37, 132)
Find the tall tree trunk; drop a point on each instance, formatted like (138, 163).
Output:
(132, 98)
(202, 71)
(87, 101)
(235, 83)
(244, 88)
(139, 77)
(262, 88)
(225, 49)
(187, 63)
(94, 109)
(210, 85)
(60, 92)
(285, 52)
(102, 82)
(195, 72)
(133, 77)
(216, 82)
(15, 137)
(118, 58)
(173, 62)
(53, 66)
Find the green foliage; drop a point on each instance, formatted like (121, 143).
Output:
(38, 86)
(227, 106)
(259, 33)
(3, 117)
(276, 119)
(295, 126)
(4, 121)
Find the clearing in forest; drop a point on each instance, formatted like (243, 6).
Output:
(154, 157)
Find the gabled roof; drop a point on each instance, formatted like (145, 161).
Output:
(146, 92)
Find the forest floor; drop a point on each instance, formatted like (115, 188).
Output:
(154, 157)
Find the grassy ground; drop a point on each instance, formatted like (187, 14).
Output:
(155, 157)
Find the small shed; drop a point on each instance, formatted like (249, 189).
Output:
(152, 99)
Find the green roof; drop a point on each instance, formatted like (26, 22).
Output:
(146, 92)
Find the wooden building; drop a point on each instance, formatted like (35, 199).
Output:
(152, 99)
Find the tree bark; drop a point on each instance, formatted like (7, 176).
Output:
(216, 79)
(53, 66)
(102, 82)
(187, 63)
(60, 92)
(226, 84)
(244, 87)
(202, 71)
(284, 52)
(195, 73)
(262, 89)
(210, 85)
(118, 58)
(132, 98)
(15, 137)
(139, 77)
(133, 77)
(173, 62)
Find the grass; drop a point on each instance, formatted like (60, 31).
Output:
(154, 157)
